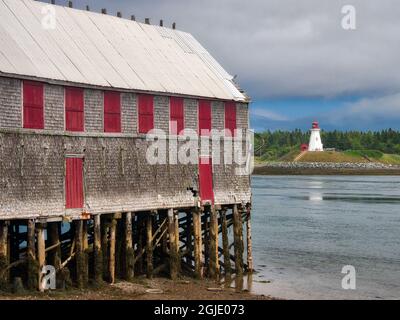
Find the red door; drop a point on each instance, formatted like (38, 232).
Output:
(74, 183)
(206, 180)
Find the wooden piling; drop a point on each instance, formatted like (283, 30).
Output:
(105, 230)
(129, 253)
(188, 238)
(32, 264)
(139, 261)
(54, 250)
(41, 253)
(173, 253)
(149, 246)
(14, 242)
(225, 243)
(176, 233)
(98, 254)
(249, 242)
(53, 237)
(3, 253)
(85, 243)
(79, 256)
(111, 265)
(237, 228)
(197, 243)
(206, 237)
(120, 248)
(213, 270)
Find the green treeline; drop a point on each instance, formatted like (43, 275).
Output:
(272, 145)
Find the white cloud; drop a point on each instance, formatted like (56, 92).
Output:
(369, 109)
(269, 114)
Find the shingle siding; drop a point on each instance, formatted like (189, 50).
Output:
(117, 174)
(10, 103)
(94, 111)
(161, 113)
(54, 107)
(242, 115)
(129, 112)
(218, 115)
(191, 114)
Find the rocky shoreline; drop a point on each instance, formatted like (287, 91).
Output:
(326, 168)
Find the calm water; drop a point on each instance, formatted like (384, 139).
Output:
(306, 228)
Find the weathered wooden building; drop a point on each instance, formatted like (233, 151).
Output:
(79, 92)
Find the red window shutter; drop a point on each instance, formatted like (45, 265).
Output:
(74, 183)
(74, 109)
(146, 113)
(33, 105)
(204, 117)
(176, 115)
(206, 179)
(230, 119)
(112, 111)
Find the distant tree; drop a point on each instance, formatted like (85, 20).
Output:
(271, 145)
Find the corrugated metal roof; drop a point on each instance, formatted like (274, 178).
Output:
(101, 50)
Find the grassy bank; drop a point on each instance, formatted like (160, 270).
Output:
(268, 170)
(351, 162)
(349, 156)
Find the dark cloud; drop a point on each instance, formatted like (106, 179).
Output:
(288, 47)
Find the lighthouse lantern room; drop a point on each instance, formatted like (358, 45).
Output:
(315, 138)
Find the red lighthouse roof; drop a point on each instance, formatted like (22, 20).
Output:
(315, 125)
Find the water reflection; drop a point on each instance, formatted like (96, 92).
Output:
(315, 196)
(315, 184)
(239, 283)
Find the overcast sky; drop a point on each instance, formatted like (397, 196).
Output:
(293, 57)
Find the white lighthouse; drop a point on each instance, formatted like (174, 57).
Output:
(315, 138)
